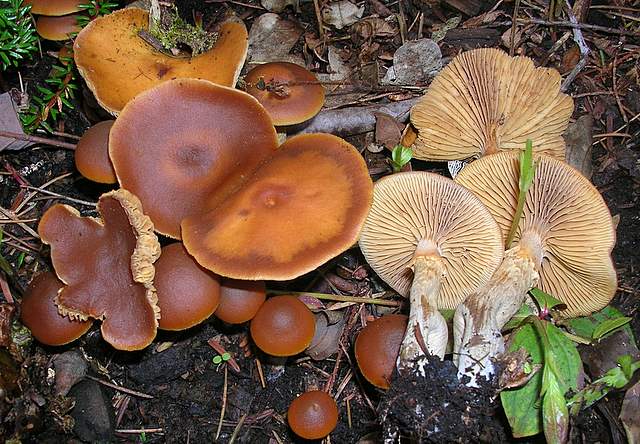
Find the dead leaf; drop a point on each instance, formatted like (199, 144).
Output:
(338, 68)
(482, 19)
(9, 122)
(514, 369)
(6, 318)
(271, 38)
(388, 130)
(342, 14)
(278, 6)
(414, 63)
(579, 141)
(439, 31)
(570, 59)
(372, 27)
(629, 414)
(325, 342)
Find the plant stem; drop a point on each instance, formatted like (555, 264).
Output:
(527, 169)
(340, 298)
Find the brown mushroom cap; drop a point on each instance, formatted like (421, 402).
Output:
(567, 213)
(414, 211)
(57, 28)
(118, 65)
(92, 154)
(187, 293)
(40, 314)
(303, 206)
(290, 93)
(107, 267)
(240, 300)
(283, 326)
(485, 101)
(185, 144)
(54, 7)
(313, 415)
(377, 347)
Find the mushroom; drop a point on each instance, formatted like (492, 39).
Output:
(485, 101)
(57, 28)
(92, 154)
(303, 206)
(428, 224)
(313, 415)
(377, 347)
(53, 7)
(40, 314)
(117, 64)
(283, 326)
(563, 245)
(184, 145)
(240, 300)
(187, 293)
(290, 93)
(106, 265)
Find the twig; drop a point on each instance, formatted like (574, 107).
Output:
(60, 196)
(514, 22)
(234, 435)
(615, 89)
(584, 49)
(120, 389)
(224, 402)
(569, 24)
(260, 373)
(341, 298)
(316, 8)
(277, 438)
(138, 431)
(6, 291)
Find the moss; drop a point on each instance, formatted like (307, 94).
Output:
(173, 32)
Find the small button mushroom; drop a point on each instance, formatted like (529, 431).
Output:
(283, 326)
(57, 28)
(484, 102)
(40, 314)
(240, 300)
(187, 293)
(54, 7)
(290, 93)
(313, 415)
(92, 154)
(377, 347)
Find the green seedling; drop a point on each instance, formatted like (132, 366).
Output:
(219, 359)
(400, 156)
(527, 172)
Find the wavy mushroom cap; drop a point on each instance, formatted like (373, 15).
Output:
(485, 101)
(313, 415)
(118, 65)
(569, 217)
(40, 314)
(240, 300)
(303, 206)
(92, 154)
(377, 347)
(417, 211)
(184, 145)
(57, 28)
(54, 7)
(187, 293)
(106, 265)
(290, 93)
(283, 326)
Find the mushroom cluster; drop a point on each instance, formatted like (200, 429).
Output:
(57, 19)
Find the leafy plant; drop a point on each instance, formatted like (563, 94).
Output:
(93, 9)
(219, 359)
(18, 39)
(400, 156)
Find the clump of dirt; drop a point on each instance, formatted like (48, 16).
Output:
(438, 407)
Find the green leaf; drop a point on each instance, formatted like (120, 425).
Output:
(545, 300)
(554, 411)
(609, 326)
(522, 405)
(587, 325)
(527, 171)
(226, 356)
(217, 359)
(400, 156)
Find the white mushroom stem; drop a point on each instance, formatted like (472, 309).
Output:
(478, 321)
(424, 318)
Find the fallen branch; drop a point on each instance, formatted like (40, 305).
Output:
(584, 51)
(36, 139)
(357, 120)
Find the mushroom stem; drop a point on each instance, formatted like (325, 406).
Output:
(424, 318)
(479, 319)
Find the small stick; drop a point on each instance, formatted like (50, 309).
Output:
(316, 8)
(514, 21)
(61, 196)
(120, 389)
(36, 139)
(224, 402)
(260, 373)
(587, 26)
(584, 50)
(220, 349)
(341, 298)
(138, 431)
(348, 403)
(275, 435)
(234, 435)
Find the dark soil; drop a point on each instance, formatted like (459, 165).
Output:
(188, 390)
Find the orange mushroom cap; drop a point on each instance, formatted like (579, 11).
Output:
(313, 415)
(303, 206)
(118, 65)
(107, 266)
(283, 326)
(187, 293)
(289, 92)
(377, 347)
(40, 314)
(54, 7)
(240, 300)
(57, 28)
(92, 154)
(185, 144)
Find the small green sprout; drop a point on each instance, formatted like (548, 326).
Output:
(219, 359)
(400, 156)
(527, 170)
(143, 437)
